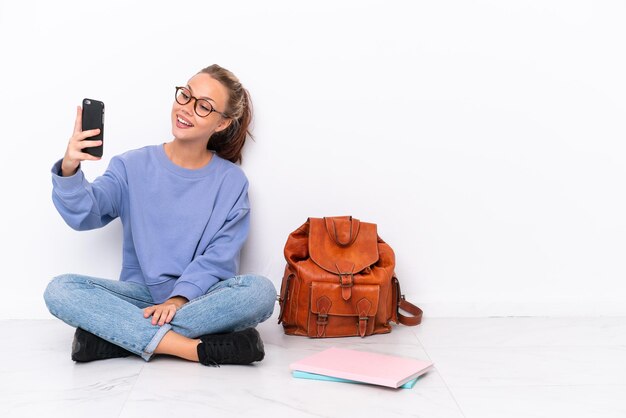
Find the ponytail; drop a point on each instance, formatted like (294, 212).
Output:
(229, 143)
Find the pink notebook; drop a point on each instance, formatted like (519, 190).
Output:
(363, 366)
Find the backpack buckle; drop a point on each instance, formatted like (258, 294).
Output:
(347, 283)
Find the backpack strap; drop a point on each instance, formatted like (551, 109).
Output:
(407, 307)
(282, 298)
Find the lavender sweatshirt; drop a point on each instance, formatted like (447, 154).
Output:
(183, 229)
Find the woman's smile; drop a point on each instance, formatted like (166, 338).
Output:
(182, 122)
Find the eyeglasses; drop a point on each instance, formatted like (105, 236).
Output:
(202, 107)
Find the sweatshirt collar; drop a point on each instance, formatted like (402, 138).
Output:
(186, 172)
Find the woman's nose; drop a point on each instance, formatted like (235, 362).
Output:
(188, 108)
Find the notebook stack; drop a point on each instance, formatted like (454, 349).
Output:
(352, 366)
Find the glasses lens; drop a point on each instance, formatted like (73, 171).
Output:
(203, 108)
(183, 95)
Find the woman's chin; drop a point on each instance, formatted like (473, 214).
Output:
(187, 139)
(182, 134)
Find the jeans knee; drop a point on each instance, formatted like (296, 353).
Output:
(269, 291)
(57, 290)
(260, 285)
(53, 288)
(265, 295)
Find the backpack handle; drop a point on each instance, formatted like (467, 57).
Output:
(407, 306)
(342, 229)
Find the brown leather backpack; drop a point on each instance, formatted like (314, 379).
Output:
(339, 281)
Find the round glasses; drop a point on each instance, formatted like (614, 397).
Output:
(202, 107)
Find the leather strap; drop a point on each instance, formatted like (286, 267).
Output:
(342, 230)
(363, 307)
(282, 301)
(416, 319)
(407, 307)
(346, 280)
(323, 307)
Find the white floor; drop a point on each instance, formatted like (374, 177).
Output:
(489, 367)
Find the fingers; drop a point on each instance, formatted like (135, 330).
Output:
(89, 157)
(161, 314)
(89, 143)
(170, 315)
(156, 317)
(148, 311)
(167, 314)
(78, 124)
(79, 140)
(74, 153)
(81, 136)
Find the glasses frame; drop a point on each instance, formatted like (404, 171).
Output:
(195, 104)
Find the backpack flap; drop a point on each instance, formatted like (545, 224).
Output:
(342, 245)
(330, 311)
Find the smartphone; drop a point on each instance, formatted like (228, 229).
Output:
(93, 118)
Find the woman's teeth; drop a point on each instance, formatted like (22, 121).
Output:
(183, 122)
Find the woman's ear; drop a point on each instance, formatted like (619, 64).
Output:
(225, 123)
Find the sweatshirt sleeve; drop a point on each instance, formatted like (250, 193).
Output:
(220, 259)
(85, 205)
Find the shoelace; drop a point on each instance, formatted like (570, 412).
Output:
(218, 351)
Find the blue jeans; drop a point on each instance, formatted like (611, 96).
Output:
(113, 310)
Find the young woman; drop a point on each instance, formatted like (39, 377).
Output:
(185, 215)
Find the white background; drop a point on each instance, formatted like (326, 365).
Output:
(485, 138)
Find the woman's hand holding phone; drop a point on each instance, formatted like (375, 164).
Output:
(74, 153)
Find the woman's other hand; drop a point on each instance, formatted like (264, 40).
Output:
(164, 312)
(74, 153)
